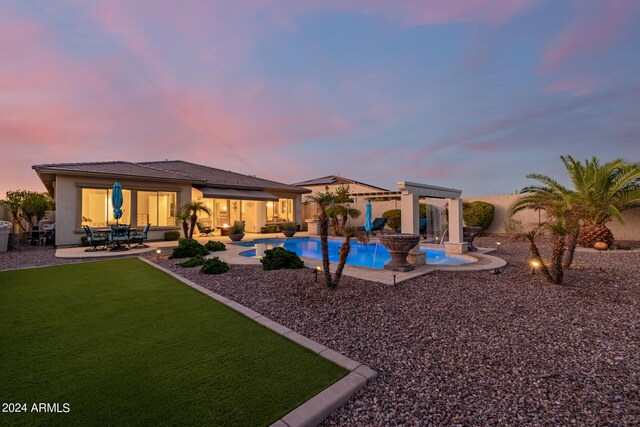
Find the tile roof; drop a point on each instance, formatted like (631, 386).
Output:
(334, 180)
(220, 177)
(177, 170)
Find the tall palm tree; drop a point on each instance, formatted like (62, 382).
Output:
(194, 208)
(606, 190)
(323, 201)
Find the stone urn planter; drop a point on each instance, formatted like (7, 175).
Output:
(469, 234)
(235, 237)
(399, 246)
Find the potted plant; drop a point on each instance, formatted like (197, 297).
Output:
(236, 232)
(289, 229)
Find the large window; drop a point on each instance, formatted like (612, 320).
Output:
(156, 208)
(97, 210)
(280, 211)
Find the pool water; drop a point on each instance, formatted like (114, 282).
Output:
(370, 255)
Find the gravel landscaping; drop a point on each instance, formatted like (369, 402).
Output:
(470, 348)
(467, 348)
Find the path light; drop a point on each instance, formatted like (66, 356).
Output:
(158, 253)
(394, 276)
(318, 268)
(534, 264)
(498, 244)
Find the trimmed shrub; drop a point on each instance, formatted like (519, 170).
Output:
(279, 258)
(394, 215)
(213, 246)
(193, 262)
(214, 266)
(478, 214)
(171, 236)
(237, 228)
(84, 241)
(188, 248)
(393, 218)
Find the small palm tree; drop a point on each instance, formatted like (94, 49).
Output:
(183, 216)
(348, 233)
(193, 209)
(323, 201)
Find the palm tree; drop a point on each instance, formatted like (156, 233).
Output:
(560, 223)
(348, 233)
(341, 213)
(323, 201)
(184, 216)
(554, 199)
(193, 209)
(606, 190)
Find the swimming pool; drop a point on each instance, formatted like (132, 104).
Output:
(371, 255)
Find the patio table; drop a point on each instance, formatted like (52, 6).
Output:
(105, 231)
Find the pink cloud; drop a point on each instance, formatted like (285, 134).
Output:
(590, 34)
(577, 87)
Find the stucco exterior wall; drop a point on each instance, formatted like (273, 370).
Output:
(630, 230)
(68, 198)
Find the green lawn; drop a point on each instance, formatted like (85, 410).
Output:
(126, 344)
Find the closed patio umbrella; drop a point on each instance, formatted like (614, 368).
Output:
(116, 201)
(367, 215)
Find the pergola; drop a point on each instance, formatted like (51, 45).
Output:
(410, 194)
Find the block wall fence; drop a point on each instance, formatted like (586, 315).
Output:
(630, 230)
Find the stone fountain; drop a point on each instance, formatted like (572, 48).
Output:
(399, 246)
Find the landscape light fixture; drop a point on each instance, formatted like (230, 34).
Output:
(318, 268)
(534, 264)
(158, 253)
(498, 244)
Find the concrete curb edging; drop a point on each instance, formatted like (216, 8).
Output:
(316, 409)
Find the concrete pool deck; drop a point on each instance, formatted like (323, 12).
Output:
(481, 259)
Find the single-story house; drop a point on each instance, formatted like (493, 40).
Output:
(334, 181)
(155, 191)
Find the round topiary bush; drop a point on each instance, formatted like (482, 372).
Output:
(188, 248)
(478, 214)
(214, 266)
(279, 258)
(193, 262)
(171, 236)
(393, 218)
(213, 246)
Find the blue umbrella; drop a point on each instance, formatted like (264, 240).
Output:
(116, 201)
(367, 214)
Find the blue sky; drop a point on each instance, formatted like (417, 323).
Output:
(468, 94)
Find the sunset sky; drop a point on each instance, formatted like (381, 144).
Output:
(472, 94)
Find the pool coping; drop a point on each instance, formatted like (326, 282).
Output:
(316, 409)
(483, 262)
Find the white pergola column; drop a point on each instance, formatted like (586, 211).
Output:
(410, 224)
(455, 245)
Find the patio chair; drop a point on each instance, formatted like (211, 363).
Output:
(204, 231)
(119, 236)
(95, 240)
(377, 225)
(139, 239)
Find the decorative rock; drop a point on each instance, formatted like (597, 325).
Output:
(601, 246)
